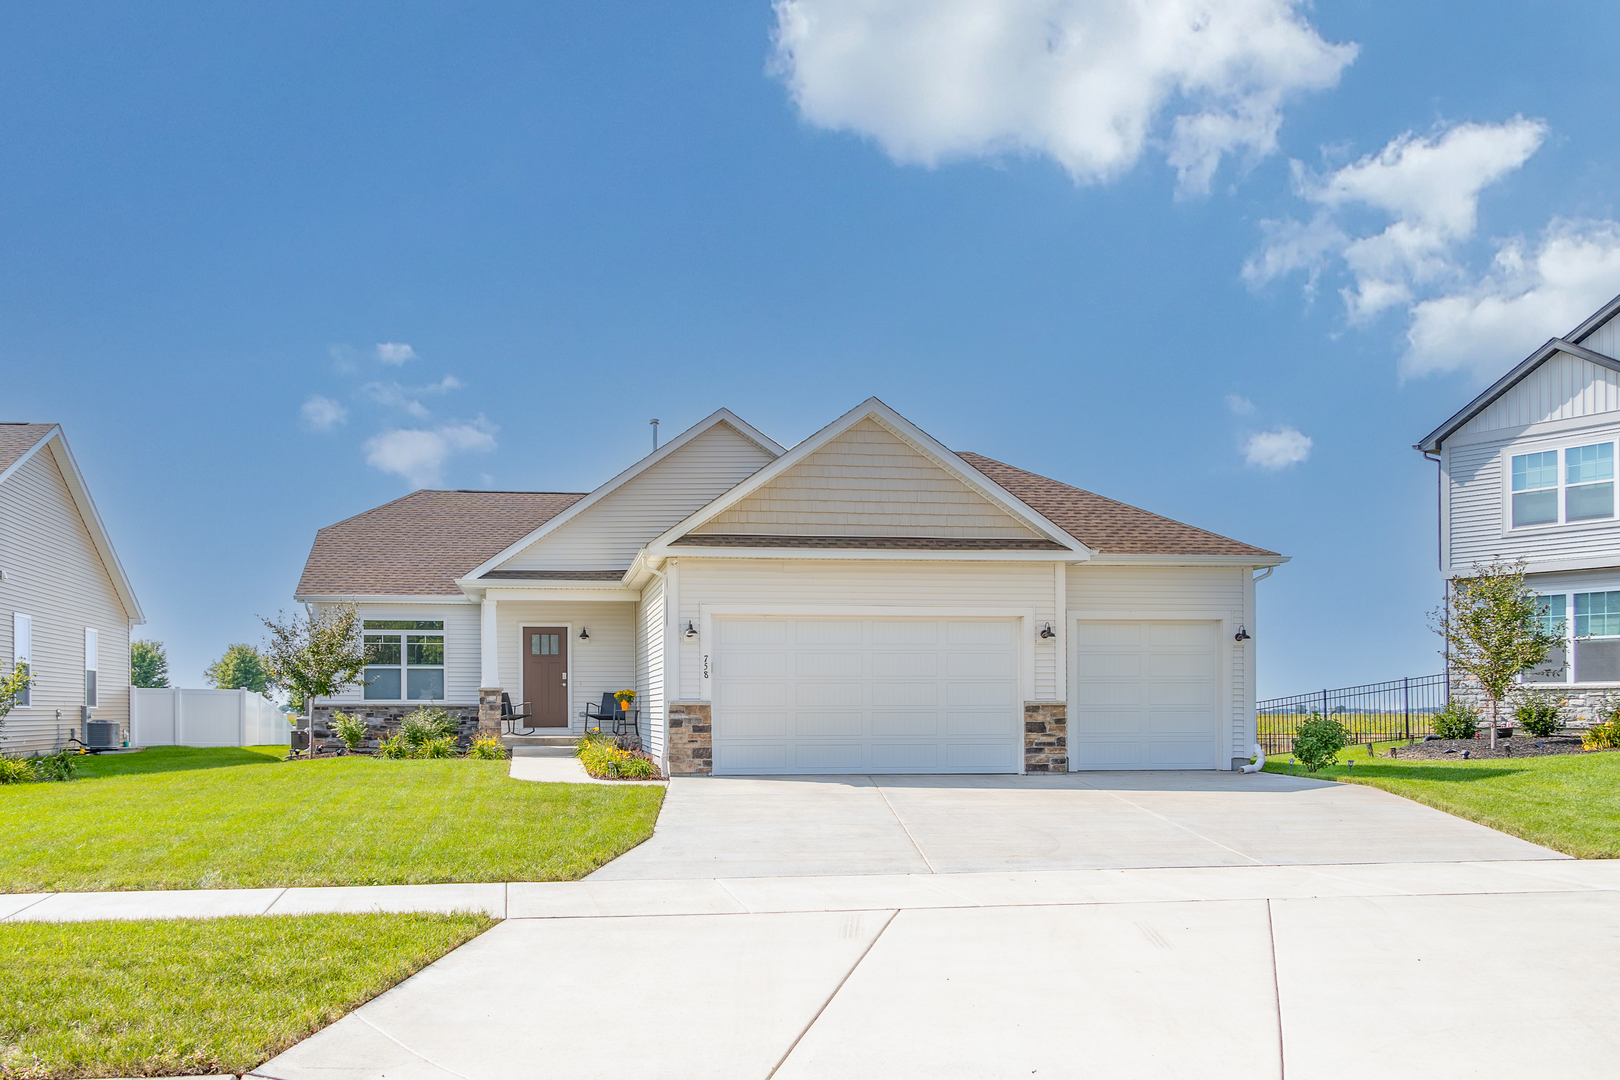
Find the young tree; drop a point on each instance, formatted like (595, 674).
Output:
(1496, 629)
(11, 684)
(315, 655)
(148, 664)
(241, 668)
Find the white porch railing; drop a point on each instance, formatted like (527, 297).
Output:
(170, 716)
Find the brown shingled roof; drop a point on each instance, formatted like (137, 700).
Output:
(420, 545)
(897, 543)
(17, 439)
(1103, 524)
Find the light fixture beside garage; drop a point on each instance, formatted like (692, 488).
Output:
(691, 631)
(1048, 632)
(1242, 634)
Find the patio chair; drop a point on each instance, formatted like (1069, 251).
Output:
(608, 716)
(511, 716)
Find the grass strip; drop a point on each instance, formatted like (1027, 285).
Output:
(168, 819)
(171, 997)
(1568, 802)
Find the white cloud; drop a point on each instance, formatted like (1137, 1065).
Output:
(1427, 188)
(395, 396)
(394, 352)
(1277, 449)
(1527, 297)
(322, 413)
(1239, 405)
(1087, 83)
(420, 454)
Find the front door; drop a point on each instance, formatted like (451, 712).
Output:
(545, 674)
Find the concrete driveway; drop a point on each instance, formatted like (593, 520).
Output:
(785, 826)
(1142, 926)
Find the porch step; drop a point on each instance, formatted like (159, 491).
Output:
(514, 741)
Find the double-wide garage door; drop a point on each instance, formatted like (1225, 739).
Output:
(828, 695)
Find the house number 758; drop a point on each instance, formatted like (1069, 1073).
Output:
(705, 665)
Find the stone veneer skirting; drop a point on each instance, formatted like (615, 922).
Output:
(688, 740)
(384, 720)
(1582, 708)
(1046, 736)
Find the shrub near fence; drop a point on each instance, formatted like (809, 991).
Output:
(1373, 712)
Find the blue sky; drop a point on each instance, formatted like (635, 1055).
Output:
(272, 265)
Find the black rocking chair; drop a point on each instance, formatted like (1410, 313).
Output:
(609, 714)
(511, 716)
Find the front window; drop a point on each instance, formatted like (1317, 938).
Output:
(1597, 637)
(1535, 489)
(1589, 482)
(404, 659)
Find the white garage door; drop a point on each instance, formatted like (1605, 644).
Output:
(804, 695)
(1144, 696)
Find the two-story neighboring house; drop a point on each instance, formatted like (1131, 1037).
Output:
(66, 606)
(1527, 470)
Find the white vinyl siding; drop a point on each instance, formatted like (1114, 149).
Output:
(883, 583)
(650, 666)
(1182, 593)
(1605, 339)
(55, 574)
(867, 482)
(1478, 502)
(608, 534)
(1564, 387)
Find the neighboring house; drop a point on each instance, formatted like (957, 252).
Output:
(66, 606)
(1527, 471)
(867, 601)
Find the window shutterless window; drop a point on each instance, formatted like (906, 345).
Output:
(1554, 608)
(22, 652)
(90, 651)
(1568, 485)
(404, 659)
(1597, 637)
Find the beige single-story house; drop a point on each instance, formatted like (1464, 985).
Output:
(866, 601)
(66, 604)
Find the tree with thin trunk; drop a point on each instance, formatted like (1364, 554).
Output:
(12, 683)
(1496, 629)
(148, 664)
(315, 655)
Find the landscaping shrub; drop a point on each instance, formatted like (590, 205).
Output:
(1456, 721)
(605, 761)
(486, 748)
(15, 770)
(1319, 740)
(351, 729)
(395, 747)
(425, 724)
(440, 746)
(1540, 715)
(57, 766)
(1604, 736)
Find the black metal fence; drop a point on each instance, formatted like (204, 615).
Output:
(1374, 712)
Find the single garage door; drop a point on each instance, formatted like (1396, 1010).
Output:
(1144, 696)
(824, 695)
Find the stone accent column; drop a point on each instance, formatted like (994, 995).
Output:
(688, 740)
(489, 713)
(1046, 736)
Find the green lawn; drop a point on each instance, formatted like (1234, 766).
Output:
(197, 995)
(1568, 802)
(180, 818)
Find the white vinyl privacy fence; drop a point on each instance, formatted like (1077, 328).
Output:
(170, 716)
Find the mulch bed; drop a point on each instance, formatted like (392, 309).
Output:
(1518, 746)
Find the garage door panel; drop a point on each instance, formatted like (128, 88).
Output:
(894, 723)
(851, 695)
(827, 665)
(818, 725)
(828, 632)
(1145, 695)
(901, 665)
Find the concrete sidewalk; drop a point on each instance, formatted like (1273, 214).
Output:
(1212, 972)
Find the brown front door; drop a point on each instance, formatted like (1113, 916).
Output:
(545, 674)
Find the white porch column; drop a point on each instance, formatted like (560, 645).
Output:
(489, 677)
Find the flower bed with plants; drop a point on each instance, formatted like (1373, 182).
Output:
(425, 733)
(608, 758)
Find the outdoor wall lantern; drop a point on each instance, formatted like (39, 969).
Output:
(584, 633)
(1048, 632)
(1242, 634)
(691, 631)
